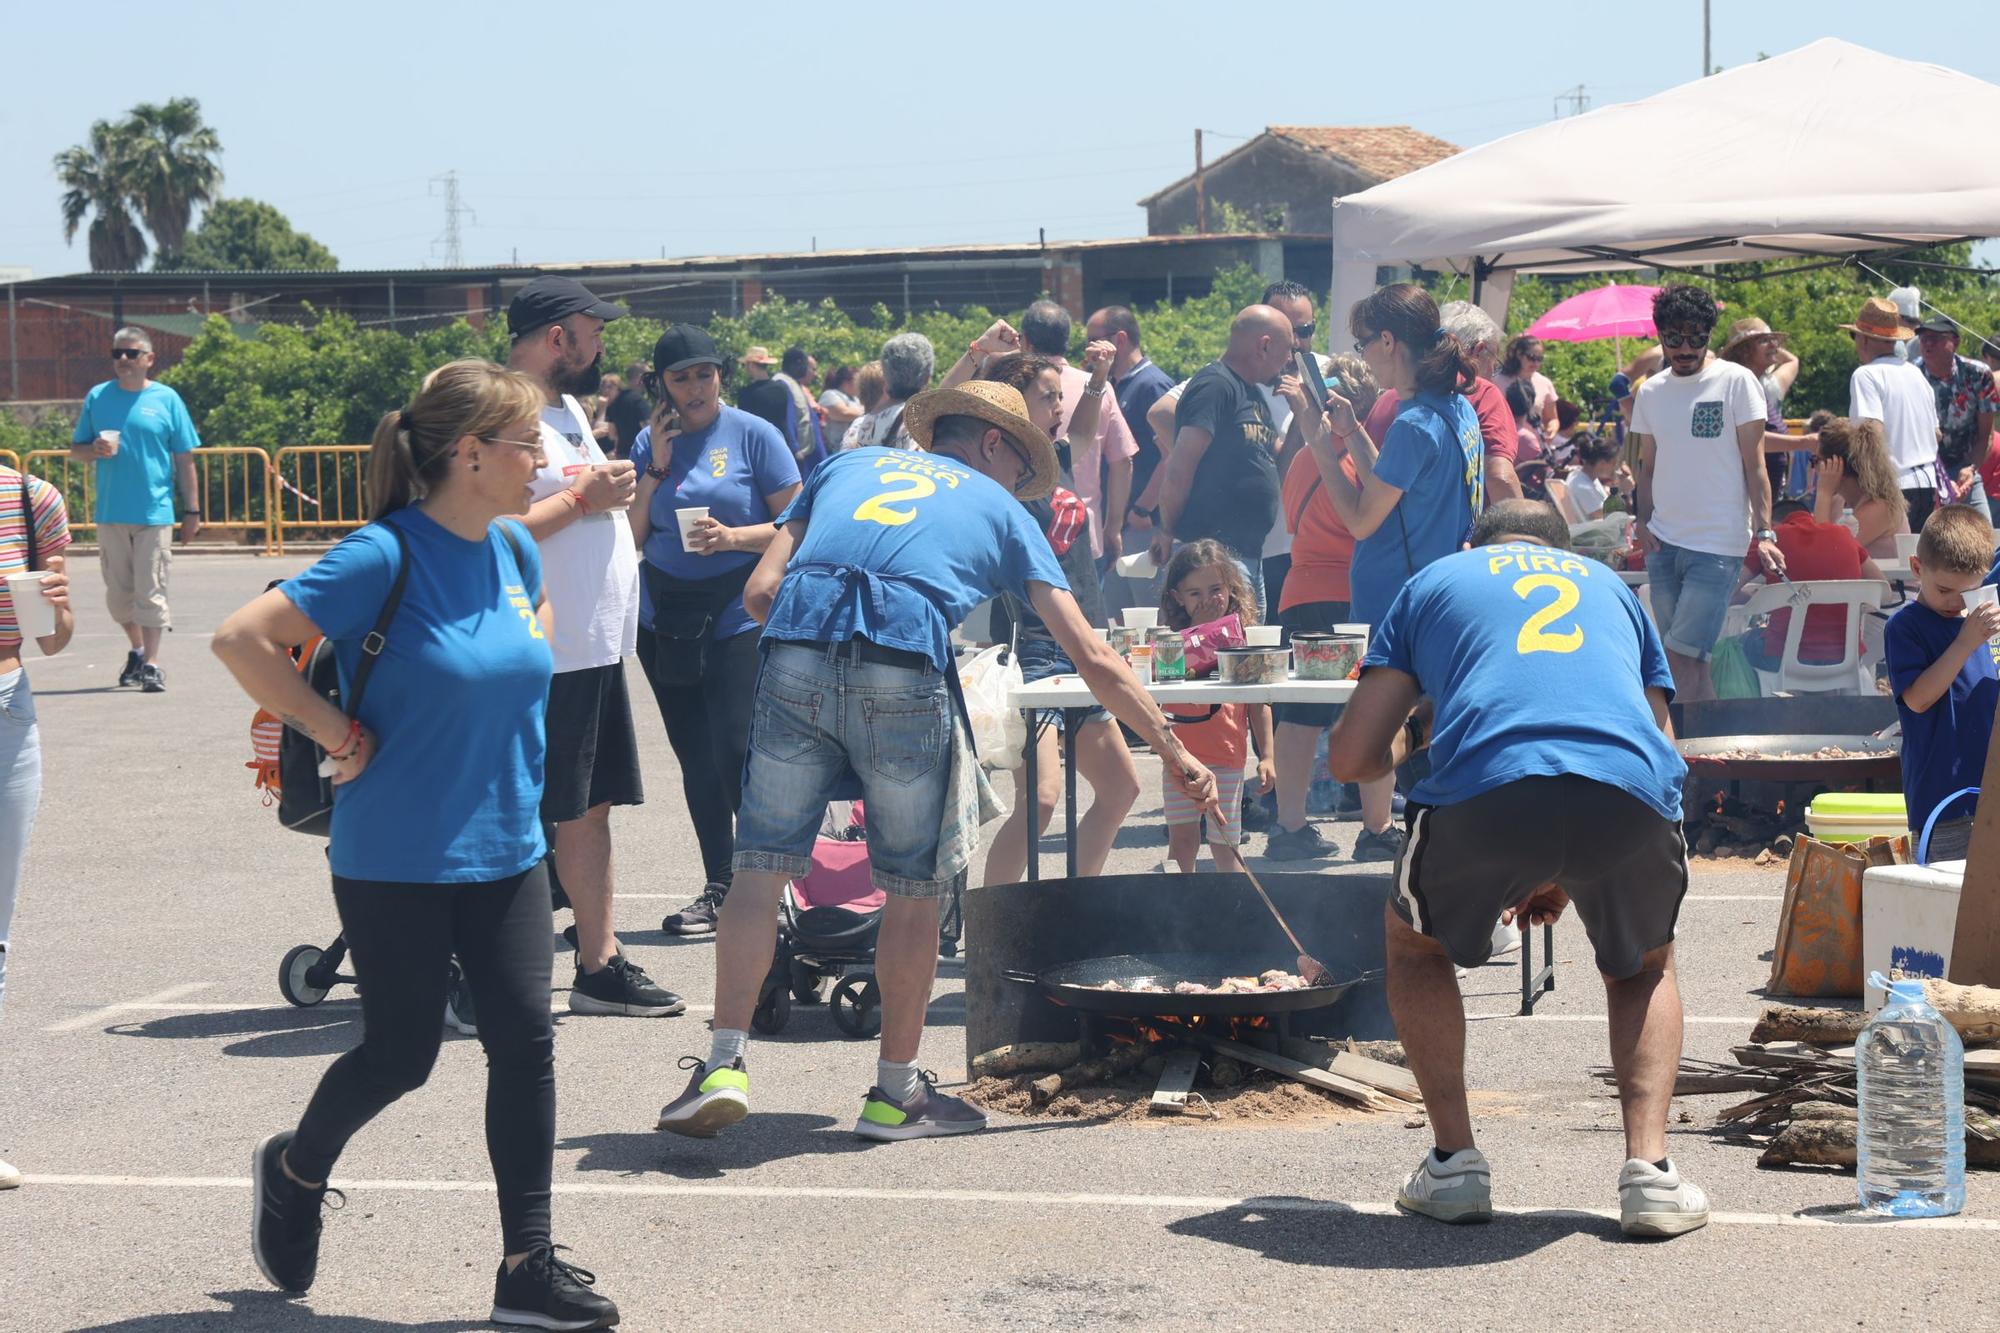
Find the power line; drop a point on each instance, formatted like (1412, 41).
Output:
(1578, 99)
(450, 239)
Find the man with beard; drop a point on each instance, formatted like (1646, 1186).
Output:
(591, 570)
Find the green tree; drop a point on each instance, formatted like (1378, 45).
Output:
(97, 184)
(238, 235)
(172, 167)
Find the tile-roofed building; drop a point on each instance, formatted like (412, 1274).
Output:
(1286, 178)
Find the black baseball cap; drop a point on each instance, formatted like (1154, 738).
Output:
(684, 345)
(1938, 324)
(550, 298)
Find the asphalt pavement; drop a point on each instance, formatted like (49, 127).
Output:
(145, 1049)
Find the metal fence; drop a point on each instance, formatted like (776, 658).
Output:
(321, 488)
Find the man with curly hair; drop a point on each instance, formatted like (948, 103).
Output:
(1703, 490)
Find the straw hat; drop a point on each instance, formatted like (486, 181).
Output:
(998, 405)
(759, 356)
(1880, 318)
(1743, 330)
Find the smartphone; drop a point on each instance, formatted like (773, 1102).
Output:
(1316, 384)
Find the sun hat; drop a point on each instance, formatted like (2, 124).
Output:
(1879, 318)
(759, 356)
(997, 405)
(1743, 330)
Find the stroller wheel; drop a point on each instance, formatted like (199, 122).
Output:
(808, 986)
(857, 1005)
(773, 1012)
(294, 984)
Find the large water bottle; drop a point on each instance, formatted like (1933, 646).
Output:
(1911, 1068)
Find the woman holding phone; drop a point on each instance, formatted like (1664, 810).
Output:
(34, 532)
(436, 847)
(711, 479)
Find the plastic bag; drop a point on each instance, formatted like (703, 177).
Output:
(999, 731)
(1731, 672)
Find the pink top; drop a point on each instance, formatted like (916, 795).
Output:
(1114, 440)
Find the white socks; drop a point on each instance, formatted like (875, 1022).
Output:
(726, 1045)
(899, 1080)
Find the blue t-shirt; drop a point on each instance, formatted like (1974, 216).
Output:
(136, 484)
(1435, 456)
(1538, 661)
(728, 469)
(899, 548)
(456, 701)
(1944, 748)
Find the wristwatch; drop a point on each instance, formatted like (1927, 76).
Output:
(1766, 535)
(656, 473)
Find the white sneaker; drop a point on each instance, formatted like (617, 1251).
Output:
(10, 1178)
(1652, 1202)
(1458, 1189)
(1506, 939)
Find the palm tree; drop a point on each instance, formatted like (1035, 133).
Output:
(97, 179)
(173, 167)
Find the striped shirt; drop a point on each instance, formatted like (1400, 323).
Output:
(51, 538)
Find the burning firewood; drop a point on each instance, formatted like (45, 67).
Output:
(1026, 1056)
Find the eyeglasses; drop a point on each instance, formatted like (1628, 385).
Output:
(532, 446)
(1304, 332)
(127, 353)
(1027, 464)
(1673, 340)
(1361, 344)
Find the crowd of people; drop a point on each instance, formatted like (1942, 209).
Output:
(789, 571)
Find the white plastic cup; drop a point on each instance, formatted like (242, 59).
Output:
(1142, 617)
(109, 437)
(1262, 636)
(687, 518)
(35, 614)
(1138, 565)
(1906, 546)
(1103, 634)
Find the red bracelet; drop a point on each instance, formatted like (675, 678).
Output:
(350, 745)
(582, 505)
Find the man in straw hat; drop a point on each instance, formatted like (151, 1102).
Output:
(1753, 345)
(874, 562)
(1890, 390)
(1966, 402)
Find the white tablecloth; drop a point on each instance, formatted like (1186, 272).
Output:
(1071, 692)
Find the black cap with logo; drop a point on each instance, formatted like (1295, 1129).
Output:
(684, 345)
(550, 298)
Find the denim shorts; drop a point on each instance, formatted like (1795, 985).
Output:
(820, 715)
(1690, 591)
(1040, 659)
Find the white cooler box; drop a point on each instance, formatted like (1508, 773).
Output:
(1908, 917)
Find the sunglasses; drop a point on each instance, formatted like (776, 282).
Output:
(127, 353)
(1674, 340)
(1361, 344)
(1304, 332)
(1027, 464)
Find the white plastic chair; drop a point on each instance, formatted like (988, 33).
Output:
(1855, 672)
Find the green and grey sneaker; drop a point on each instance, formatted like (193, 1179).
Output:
(1458, 1189)
(714, 1100)
(927, 1115)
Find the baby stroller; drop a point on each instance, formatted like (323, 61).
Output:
(826, 933)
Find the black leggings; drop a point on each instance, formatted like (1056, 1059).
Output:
(403, 937)
(708, 724)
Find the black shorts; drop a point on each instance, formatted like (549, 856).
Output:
(1309, 618)
(1622, 864)
(593, 751)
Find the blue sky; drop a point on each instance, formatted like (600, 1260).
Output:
(577, 133)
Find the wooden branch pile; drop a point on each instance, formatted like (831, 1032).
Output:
(1800, 1064)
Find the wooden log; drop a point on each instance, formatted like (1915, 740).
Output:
(1812, 1143)
(1176, 1081)
(1027, 1057)
(1226, 1072)
(1973, 1010)
(1091, 1073)
(1298, 1071)
(1819, 1027)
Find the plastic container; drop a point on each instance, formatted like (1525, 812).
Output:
(1327, 656)
(1252, 666)
(1140, 658)
(1908, 917)
(1910, 1069)
(1856, 816)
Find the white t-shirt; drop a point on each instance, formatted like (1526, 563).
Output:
(1896, 394)
(872, 428)
(591, 567)
(1699, 499)
(1587, 492)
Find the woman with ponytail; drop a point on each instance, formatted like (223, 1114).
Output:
(1413, 497)
(436, 845)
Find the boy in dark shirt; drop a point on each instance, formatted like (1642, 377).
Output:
(1943, 673)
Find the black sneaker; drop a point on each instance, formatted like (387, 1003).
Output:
(1303, 843)
(698, 917)
(284, 1218)
(150, 679)
(547, 1292)
(622, 987)
(1384, 846)
(135, 662)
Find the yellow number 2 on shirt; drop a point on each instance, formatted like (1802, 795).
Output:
(876, 509)
(1535, 636)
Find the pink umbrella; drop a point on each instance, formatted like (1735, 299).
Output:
(1606, 312)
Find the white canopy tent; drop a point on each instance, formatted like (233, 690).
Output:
(1808, 154)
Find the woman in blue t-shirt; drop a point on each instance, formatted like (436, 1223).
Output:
(696, 642)
(1416, 494)
(436, 844)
